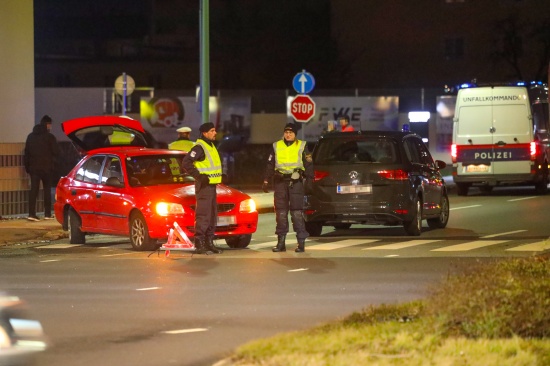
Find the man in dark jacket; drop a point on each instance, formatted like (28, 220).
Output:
(41, 151)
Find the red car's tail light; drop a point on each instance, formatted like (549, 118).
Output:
(397, 174)
(319, 174)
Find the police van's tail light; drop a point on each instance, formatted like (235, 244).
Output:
(397, 174)
(454, 152)
(319, 174)
(533, 150)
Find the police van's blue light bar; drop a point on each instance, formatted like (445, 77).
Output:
(517, 83)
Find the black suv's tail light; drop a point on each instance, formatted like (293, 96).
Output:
(319, 174)
(398, 174)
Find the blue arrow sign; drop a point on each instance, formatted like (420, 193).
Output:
(303, 82)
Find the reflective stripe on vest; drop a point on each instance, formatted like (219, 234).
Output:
(288, 158)
(211, 165)
(183, 145)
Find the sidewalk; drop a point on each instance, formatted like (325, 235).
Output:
(16, 230)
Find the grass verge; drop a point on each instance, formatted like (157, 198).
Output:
(495, 314)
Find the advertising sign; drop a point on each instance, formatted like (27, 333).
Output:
(365, 113)
(163, 116)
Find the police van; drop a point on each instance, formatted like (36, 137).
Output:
(501, 136)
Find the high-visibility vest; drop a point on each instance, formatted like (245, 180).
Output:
(121, 138)
(212, 164)
(183, 145)
(288, 158)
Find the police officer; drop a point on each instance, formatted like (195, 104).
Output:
(182, 143)
(290, 166)
(204, 164)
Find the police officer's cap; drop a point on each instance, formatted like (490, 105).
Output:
(184, 129)
(291, 127)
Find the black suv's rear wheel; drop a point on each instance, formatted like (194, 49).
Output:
(314, 228)
(441, 221)
(414, 227)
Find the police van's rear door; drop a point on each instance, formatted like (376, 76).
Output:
(473, 135)
(512, 131)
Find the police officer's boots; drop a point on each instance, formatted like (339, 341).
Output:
(210, 245)
(280, 244)
(301, 246)
(200, 246)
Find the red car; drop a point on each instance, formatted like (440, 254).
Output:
(121, 187)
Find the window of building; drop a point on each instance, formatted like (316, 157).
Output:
(454, 48)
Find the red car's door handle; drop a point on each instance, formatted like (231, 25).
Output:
(98, 195)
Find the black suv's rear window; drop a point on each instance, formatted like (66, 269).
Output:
(356, 149)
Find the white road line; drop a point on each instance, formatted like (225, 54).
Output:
(391, 256)
(148, 288)
(263, 245)
(298, 270)
(59, 246)
(394, 246)
(50, 260)
(460, 208)
(521, 199)
(501, 234)
(182, 331)
(539, 246)
(116, 255)
(469, 246)
(340, 244)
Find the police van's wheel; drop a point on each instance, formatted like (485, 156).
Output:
(239, 241)
(414, 226)
(314, 228)
(462, 188)
(76, 236)
(139, 234)
(441, 221)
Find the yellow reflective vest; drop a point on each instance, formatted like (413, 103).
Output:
(288, 158)
(183, 145)
(212, 164)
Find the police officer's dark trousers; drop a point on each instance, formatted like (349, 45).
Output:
(289, 197)
(206, 214)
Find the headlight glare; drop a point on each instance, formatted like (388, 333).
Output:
(167, 208)
(247, 206)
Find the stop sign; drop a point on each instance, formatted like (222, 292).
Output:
(302, 108)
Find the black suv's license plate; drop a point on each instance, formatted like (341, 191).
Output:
(366, 189)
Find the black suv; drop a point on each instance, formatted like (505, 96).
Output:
(375, 177)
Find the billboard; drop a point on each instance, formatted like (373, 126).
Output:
(365, 113)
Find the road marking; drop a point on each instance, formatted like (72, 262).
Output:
(340, 244)
(501, 234)
(521, 199)
(391, 256)
(460, 208)
(148, 288)
(298, 269)
(406, 244)
(182, 331)
(539, 246)
(263, 245)
(469, 246)
(116, 255)
(50, 260)
(59, 246)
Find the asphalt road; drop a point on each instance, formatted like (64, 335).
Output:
(104, 304)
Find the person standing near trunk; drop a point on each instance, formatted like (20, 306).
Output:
(41, 152)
